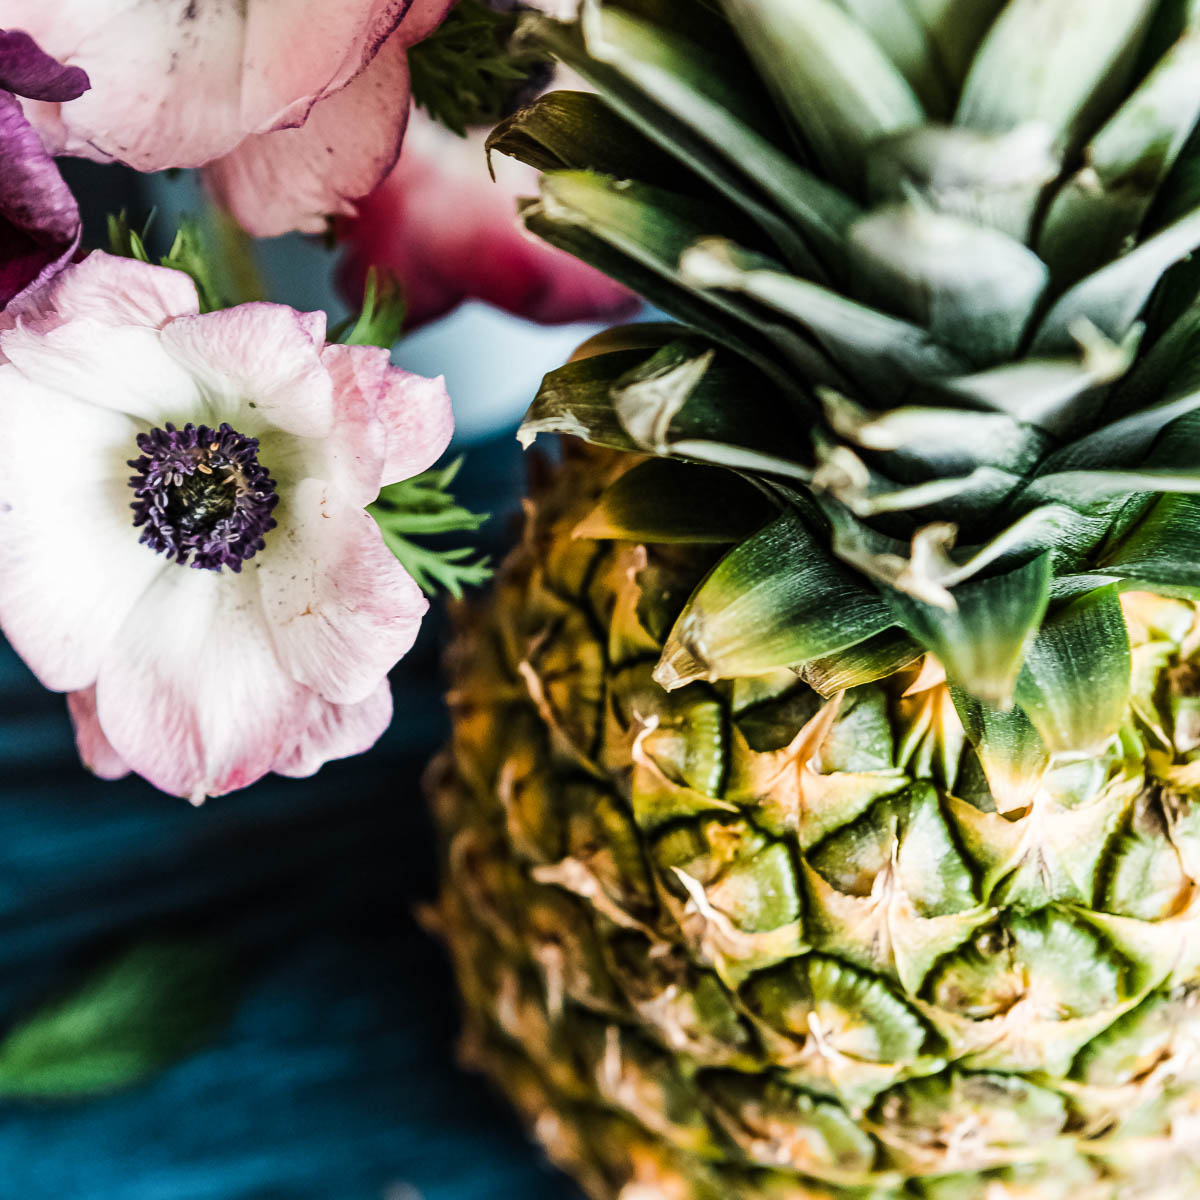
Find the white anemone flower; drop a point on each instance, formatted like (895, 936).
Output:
(230, 608)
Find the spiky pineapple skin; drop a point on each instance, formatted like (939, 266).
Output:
(747, 941)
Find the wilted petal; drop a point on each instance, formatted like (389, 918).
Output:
(95, 750)
(294, 178)
(472, 247)
(192, 695)
(334, 731)
(28, 70)
(341, 610)
(39, 219)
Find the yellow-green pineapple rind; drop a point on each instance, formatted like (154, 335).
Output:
(744, 940)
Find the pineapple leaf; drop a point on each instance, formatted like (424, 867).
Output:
(777, 600)
(1126, 164)
(1113, 297)
(973, 289)
(1085, 52)
(689, 83)
(671, 502)
(837, 84)
(869, 345)
(1074, 685)
(982, 641)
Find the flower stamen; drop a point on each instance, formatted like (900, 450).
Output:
(202, 497)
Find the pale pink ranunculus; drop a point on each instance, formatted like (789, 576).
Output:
(297, 107)
(448, 232)
(229, 609)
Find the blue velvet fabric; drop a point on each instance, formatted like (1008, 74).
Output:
(336, 1079)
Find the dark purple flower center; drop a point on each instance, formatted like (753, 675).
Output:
(202, 495)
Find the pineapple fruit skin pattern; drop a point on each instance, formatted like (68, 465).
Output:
(823, 815)
(744, 940)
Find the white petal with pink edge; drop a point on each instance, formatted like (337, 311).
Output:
(107, 289)
(95, 750)
(258, 366)
(336, 731)
(192, 695)
(340, 608)
(70, 562)
(419, 421)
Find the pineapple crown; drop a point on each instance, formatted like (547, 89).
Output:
(934, 373)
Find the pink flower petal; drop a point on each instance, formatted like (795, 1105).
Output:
(293, 178)
(336, 731)
(147, 67)
(480, 250)
(419, 421)
(259, 367)
(192, 695)
(95, 750)
(70, 564)
(353, 456)
(340, 608)
(109, 290)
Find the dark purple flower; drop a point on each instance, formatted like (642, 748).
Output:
(39, 219)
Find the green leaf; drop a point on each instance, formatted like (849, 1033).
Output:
(831, 77)
(1051, 392)
(637, 234)
(878, 657)
(676, 403)
(422, 507)
(188, 253)
(697, 88)
(1010, 749)
(899, 31)
(956, 28)
(572, 131)
(1127, 162)
(777, 600)
(576, 399)
(154, 1004)
(1113, 297)
(468, 71)
(983, 640)
(870, 346)
(380, 322)
(973, 288)
(1054, 63)
(991, 179)
(1074, 686)
(664, 501)
(1162, 551)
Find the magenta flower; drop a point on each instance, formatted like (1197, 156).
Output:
(298, 107)
(228, 609)
(476, 251)
(39, 219)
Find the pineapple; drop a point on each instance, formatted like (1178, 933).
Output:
(822, 820)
